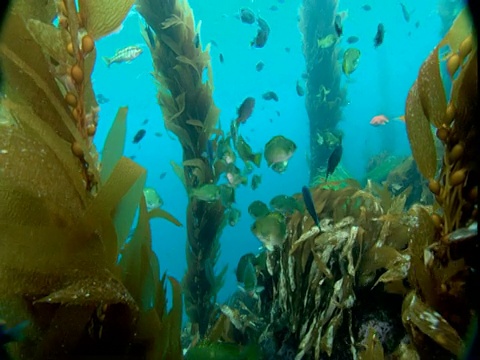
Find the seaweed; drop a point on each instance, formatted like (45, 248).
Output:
(324, 96)
(190, 113)
(64, 221)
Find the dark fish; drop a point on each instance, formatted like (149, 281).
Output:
(352, 39)
(260, 40)
(263, 25)
(270, 95)
(277, 112)
(366, 7)
(417, 24)
(245, 110)
(145, 122)
(139, 136)
(307, 198)
(163, 174)
(273, 7)
(259, 66)
(405, 12)
(101, 99)
(338, 25)
(287, 49)
(299, 88)
(378, 39)
(221, 58)
(214, 43)
(210, 152)
(247, 16)
(334, 159)
(151, 37)
(158, 134)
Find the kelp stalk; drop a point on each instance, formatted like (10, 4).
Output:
(324, 96)
(189, 112)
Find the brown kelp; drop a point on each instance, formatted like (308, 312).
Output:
(183, 73)
(65, 215)
(324, 96)
(439, 310)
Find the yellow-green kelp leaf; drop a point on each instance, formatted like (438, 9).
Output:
(114, 144)
(159, 213)
(178, 170)
(53, 40)
(101, 17)
(430, 89)
(420, 134)
(416, 313)
(460, 29)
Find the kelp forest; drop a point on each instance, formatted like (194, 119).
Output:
(382, 270)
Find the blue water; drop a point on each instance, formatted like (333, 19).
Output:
(379, 86)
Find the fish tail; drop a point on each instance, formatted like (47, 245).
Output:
(257, 158)
(107, 61)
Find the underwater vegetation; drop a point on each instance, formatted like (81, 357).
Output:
(371, 272)
(65, 213)
(189, 112)
(324, 96)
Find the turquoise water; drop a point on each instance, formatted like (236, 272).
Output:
(379, 86)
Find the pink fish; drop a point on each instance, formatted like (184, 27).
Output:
(379, 120)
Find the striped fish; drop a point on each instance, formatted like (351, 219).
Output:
(124, 55)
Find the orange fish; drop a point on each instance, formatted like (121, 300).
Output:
(382, 120)
(379, 120)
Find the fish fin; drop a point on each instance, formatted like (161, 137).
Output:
(107, 61)
(257, 159)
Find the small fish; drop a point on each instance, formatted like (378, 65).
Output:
(227, 195)
(366, 7)
(139, 136)
(337, 24)
(233, 216)
(259, 66)
(273, 8)
(256, 181)
(258, 209)
(270, 229)
(246, 153)
(234, 176)
(242, 264)
(287, 49)
(350, 61)
(214, 43)
(162, 175)
(245, 110)
(352, 39)
(285, 204)
(278, 151)
(101, 99)
(334, 159)
(309, 204)
(247, 16)
(378, 39)
(124, 55)
(158, 134)
(152, 198)
(225, 151)
(327, 41)
(250, 281)
(145, 122)
(220, 57)
(150, 36)
(270, 95)
(379, 120)
(405, 12)
(196, 40)
(206, 192)
(260, 39)
(299, 89)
